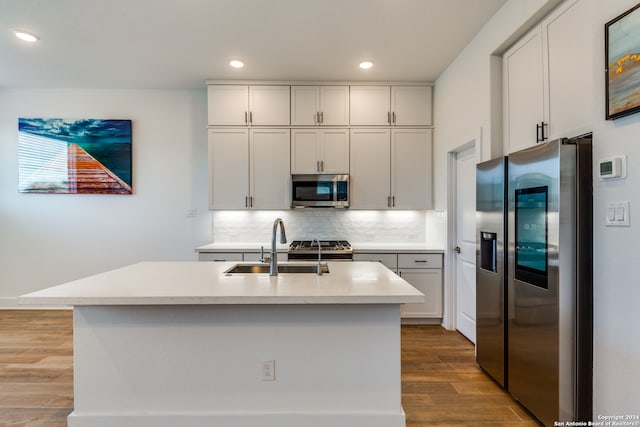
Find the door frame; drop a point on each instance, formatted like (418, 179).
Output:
(449, 319)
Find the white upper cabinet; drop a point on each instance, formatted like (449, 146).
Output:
(369, 179)
(411, 105)
(411, 177)
(228, 105)
(228, 168)
(269, 105)
(316, 151)
(570, 59)
(391, 169)
(249, 169)
(547, 85)
(241, 105)
(523, 91)
(320, 105)
(391, 105)
(269, 186)
(370, 105)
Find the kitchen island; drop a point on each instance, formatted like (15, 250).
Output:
(184, 343)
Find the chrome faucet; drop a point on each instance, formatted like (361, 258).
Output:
(273, 264)
(319, 273)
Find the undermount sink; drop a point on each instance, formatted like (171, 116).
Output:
(282, 268)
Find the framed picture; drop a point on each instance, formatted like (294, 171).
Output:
(74, 156)
(622, 55)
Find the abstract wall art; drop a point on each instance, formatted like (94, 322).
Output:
(72, 156)
(622, 53)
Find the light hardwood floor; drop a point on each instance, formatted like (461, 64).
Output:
(441, 383)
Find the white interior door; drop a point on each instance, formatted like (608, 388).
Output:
(465, 259)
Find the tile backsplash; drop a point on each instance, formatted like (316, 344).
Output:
(356, 226)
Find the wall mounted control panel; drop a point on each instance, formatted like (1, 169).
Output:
(613, 168)
(618, 214)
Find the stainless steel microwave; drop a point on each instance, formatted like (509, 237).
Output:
(328, 191)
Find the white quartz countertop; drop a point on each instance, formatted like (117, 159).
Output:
(205, 283)
(357, 247)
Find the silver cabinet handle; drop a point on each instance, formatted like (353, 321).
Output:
(317, 117)
(317, 165)
(321, 165)
(246, 117)
(389, 201)
(321, 116)
(394, 117)
(246, 201)
(389, 117)
(393, 201)
(420, 261)
(250, 117)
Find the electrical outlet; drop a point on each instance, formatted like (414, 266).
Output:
(269, 370)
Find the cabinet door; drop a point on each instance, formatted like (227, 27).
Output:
(227, 105)
(334, 151)
(269, 169)
(369, 105)
(411, 105)
(334, 105)
(228, 168)
(429, 282)
(570, 92)
(305, 105)
(388, 260)
(305, 157)
(523, 92)
(370, 169)
(411, 168)
(220, 256)
(269, 105)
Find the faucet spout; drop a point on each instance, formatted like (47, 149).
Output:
(273, 264)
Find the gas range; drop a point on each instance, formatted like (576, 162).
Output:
(329, 250)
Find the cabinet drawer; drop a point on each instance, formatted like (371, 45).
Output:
(388, 260)
(419, 261)
(220, 256)
(255, 256)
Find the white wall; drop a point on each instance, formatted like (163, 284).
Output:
(463, 106)
(47, 239)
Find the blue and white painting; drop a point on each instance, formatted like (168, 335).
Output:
(74, 156)
(623, 64)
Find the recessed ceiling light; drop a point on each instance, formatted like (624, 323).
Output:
(28, 37)
(236, 63)
(365, 65)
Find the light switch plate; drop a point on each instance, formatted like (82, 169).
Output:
(617, 214)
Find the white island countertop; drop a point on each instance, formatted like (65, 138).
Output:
(202, 283)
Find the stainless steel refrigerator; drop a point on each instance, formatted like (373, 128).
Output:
(534, 223)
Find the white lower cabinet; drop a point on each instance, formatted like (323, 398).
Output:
(220, 256)
(429, 282)
(238, 256)
(249, 169)
(422, 271)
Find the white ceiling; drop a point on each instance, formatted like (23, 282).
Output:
(181, 43)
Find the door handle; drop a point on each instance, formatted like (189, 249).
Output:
(457, 249)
